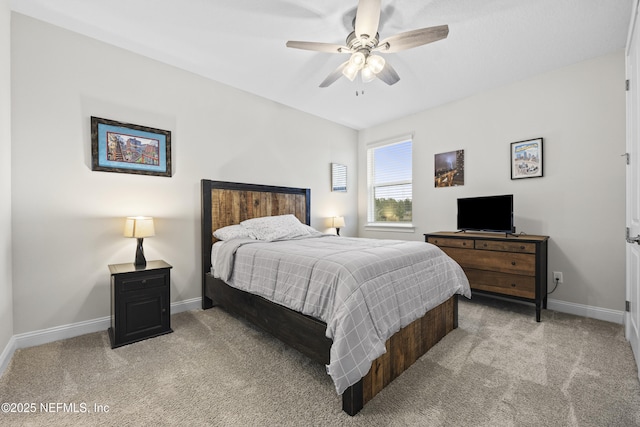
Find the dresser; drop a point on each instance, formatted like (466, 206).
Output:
(140, 299)
(511, 266)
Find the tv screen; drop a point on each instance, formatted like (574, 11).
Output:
(490, 213)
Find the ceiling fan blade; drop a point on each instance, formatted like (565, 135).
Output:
(412, 39)
(367, 18)
(319, 47)
(388, 75)
(335, 75)
(386, 15)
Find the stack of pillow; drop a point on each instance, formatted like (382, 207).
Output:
(267, 228)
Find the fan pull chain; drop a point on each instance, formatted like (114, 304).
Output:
(360, 83)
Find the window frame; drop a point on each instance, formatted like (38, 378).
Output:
(386, 225)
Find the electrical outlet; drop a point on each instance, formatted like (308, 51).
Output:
(557, 276)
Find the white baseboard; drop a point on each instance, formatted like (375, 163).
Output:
(186, 305)
(56, 333)
(605, 314)
(7, 354)
(44, 336)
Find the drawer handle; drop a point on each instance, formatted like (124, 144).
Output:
(513, 285)
(464, 243)
(485, 245)
(513, 263)
(522, 247)
(435, 241)
(144, 281)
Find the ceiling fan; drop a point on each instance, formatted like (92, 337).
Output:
(363, 43)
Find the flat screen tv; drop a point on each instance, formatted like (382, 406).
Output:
(490, 213)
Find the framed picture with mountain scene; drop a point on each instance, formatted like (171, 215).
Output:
(128, 148)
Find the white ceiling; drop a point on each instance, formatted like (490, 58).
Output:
(242, 43)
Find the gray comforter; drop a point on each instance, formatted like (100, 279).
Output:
(365, 290)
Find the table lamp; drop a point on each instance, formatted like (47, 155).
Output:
(337, 222)
(139, 227)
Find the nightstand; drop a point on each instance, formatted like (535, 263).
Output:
(139, 302)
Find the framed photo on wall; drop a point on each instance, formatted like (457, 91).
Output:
(128, 148)
(526, 159)
(449, 169)
(338, 177)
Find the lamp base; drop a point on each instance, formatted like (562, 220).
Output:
(140, 259)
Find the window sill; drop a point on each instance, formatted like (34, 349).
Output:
(392, 227)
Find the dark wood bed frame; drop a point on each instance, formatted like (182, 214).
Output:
(227, 203)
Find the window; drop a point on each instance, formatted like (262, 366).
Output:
(390, 182)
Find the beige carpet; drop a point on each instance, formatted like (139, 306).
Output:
(499, 368)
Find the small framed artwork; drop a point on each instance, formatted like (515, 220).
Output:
(128, 148)
(526, 159)
(338, 177)
(449, 169)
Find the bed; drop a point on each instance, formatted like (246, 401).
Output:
(227, 203)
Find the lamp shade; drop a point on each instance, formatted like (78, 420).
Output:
(337, 222)
(139, 227)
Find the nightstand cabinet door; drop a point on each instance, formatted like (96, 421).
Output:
(140, 303)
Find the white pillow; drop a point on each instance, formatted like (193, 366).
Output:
(309, 229)
(277, 227)
(233, 232)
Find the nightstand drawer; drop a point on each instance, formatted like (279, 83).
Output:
(134, 284)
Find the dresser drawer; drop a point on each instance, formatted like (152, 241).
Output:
(501, 245)
(451, 243)
(504, 262)
(502, 283)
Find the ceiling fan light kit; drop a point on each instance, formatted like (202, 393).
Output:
(364, 40)
(368, 65)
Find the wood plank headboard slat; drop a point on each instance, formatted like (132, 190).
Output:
(233, 206)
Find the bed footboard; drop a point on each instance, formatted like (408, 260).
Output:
(404, 348)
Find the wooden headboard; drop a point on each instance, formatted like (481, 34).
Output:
(227, 203)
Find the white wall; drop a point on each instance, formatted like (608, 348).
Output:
(6, 298)
(68, 220)
(580, 201)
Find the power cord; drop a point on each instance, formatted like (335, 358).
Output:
(554, 288)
